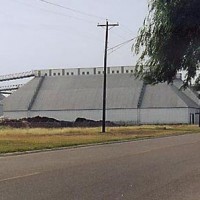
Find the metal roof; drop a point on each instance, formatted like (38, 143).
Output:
(20, 99)
(85, 92)
(193, 95)
(166, 96)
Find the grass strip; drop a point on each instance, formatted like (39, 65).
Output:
(19, 140)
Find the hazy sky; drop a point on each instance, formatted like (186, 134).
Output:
(36, 35)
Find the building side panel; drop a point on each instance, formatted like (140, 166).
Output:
(193, 117)
(127, 116)
(128, 69)
(1, 109)
(68, 115)
(86, 71)
(115, 70)
(164, 116)
(118, 115)
(15, 115)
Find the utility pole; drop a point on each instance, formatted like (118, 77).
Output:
(107, 25)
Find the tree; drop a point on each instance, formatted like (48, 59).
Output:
(197, 84)
(169, 41)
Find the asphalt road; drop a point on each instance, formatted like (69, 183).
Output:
(157, 169)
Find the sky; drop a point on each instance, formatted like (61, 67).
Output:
(37, 35)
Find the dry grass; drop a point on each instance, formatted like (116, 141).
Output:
(12, 140)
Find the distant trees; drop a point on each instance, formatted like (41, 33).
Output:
(169, 41)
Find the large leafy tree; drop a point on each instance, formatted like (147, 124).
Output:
(169, 41)
(197, 84)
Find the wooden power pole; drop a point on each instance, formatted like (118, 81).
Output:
(107, 25)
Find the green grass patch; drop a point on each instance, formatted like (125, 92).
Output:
(13, 140)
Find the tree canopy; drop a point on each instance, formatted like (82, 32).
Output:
(169, 41)
(197, 84)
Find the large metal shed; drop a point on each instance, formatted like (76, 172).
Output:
(67, 94)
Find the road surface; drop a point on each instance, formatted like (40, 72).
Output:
(157, 169)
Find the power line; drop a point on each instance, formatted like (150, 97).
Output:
(122, 43)
(57, 13)
(84, 13)
(77, 18)
(64, 15)
(72, 9)
(128, 30)
(115, 48)
(119, 36)
(123, 35)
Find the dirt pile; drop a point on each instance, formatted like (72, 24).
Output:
(45, 122)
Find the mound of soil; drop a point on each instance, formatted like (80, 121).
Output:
(46, 122)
